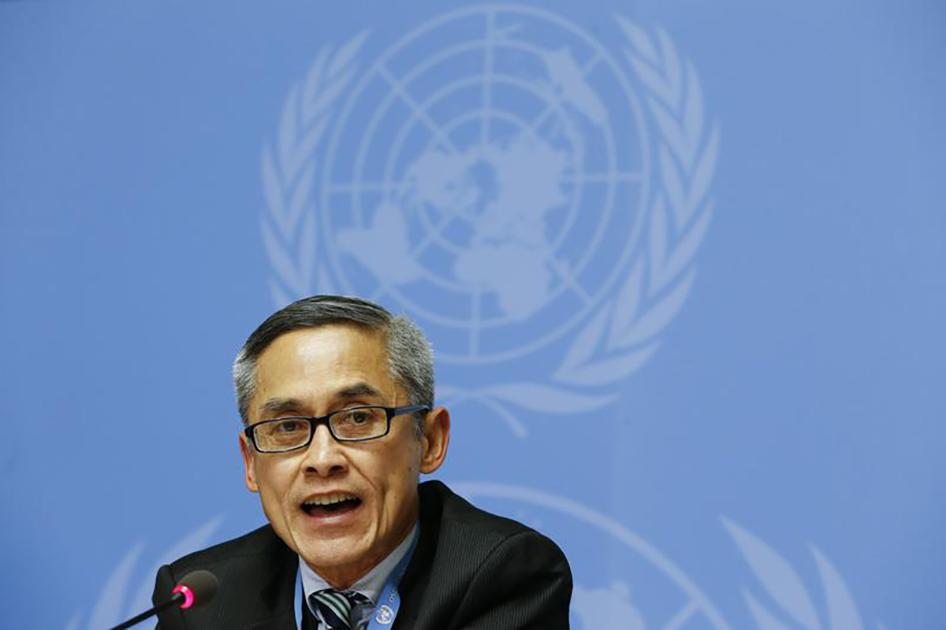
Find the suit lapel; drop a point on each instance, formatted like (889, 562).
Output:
(259, 588)
(273, 608)
(414, 585)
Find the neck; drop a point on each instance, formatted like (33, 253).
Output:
(343, 577)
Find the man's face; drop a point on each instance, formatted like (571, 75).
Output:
(313, 372)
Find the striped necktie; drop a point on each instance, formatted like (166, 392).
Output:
(334, 607)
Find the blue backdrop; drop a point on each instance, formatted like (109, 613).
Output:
(682, 263)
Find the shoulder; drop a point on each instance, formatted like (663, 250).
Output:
(451, 510)
(476, 530)
(259, 544)
(473, 569)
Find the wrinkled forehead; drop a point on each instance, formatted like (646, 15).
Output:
(320, 365)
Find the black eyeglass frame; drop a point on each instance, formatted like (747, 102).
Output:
(316, 421)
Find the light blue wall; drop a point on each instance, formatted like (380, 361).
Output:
(687, 302)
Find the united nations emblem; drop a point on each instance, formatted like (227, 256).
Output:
(385, 615)
(507, 180)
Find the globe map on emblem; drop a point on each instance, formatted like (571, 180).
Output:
(488, 175)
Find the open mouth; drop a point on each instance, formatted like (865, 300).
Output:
(332, 504)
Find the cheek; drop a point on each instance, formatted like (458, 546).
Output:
(398, 478)
(274, 481)
(393, 469)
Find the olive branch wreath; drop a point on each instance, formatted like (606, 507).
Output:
(623, 334)
(289, 167)
(786, 602)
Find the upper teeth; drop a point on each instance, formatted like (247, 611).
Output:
(329, 499)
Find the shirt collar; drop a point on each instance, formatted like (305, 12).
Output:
(370, 584)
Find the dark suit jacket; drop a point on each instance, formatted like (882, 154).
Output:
(470, 570)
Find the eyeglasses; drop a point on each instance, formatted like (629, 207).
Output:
(355, 424)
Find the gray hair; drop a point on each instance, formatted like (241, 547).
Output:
(410, 357)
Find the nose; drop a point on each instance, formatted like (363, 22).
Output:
(325, 456)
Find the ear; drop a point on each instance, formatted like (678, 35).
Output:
(435, 440)
(248, 458)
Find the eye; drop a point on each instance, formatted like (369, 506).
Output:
(359, 416)
(290, 425)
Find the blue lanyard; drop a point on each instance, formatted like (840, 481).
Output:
(389, 602)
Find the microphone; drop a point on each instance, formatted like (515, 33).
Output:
(193, 590)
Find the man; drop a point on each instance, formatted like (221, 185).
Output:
(336, 396)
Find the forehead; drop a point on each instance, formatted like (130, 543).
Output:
(317, 362)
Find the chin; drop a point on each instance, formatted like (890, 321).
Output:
(338, 561)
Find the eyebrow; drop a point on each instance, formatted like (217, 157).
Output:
(275, 406)
(359, 390)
